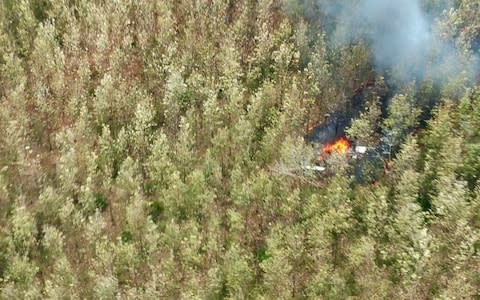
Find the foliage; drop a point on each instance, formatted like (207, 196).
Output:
(157, 149)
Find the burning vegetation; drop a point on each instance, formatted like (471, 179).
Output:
(340, 146)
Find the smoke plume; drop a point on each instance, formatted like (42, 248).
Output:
(402, 36)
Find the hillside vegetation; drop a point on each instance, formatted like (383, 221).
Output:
(154, 150)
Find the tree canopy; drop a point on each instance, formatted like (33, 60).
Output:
(160, 150)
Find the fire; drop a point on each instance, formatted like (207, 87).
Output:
(341, 146)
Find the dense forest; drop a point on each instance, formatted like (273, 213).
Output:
(163, 149)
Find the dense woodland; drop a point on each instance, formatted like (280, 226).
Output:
(154, 150)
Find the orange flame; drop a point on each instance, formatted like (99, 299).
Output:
(341, 146)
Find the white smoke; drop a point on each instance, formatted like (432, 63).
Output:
(402, 38)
